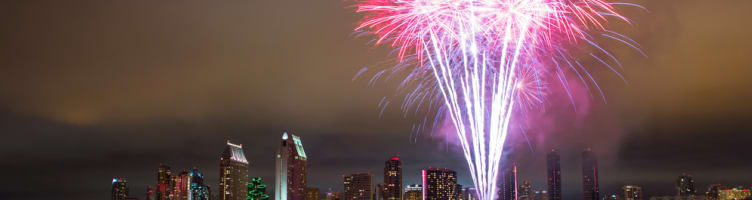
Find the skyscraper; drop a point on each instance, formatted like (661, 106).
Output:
(164, 182)
(554, 175)
(507, 184)
(312, 194)
(290, 172)
(632, 192)
(358, 186)
(149, 193)
(525, 191)
(439, 184)
(393, 179)
(119, 188)
(414, 192)
(470, 194)
(233, 173)
(738, 193)
(713, 192)
(590, 176)
(685, 187)
(181, 190)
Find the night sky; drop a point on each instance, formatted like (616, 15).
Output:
(91, 90)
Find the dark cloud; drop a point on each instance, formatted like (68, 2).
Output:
(90, 90)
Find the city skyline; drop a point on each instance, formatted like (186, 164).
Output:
(92, 90)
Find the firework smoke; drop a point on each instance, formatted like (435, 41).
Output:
(485, 59)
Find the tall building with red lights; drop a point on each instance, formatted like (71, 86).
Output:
(590, 188)
(553, 172)
(358, 186)
(233, 173)
(164, 182)
(290, 182)
(439, 184)
(393, 179)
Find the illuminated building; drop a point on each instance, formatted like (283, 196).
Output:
(358, 186)
(413, 192)
(164, 182)
(590, 176)
(713, 192)
(290, 171)
(312, 194)
(525, 191)
(380, 192)
(439, 184)
(612, 197)
(197, 189)
(257, 190)
(685, 187)
(507, 184)
(470, 194)
(233, 173)
(632, 192)
(554, 175)
(119, 188)
(541, 195)
(393, 179)
(458, 193)
(738, 193)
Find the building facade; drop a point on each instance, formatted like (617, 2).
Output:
(393, 179)
(413, 192)
(312, 194)
(290, 182)
(685, 187)
(233, 173)
(738, 193)
(439, 184)
(590, 189)
(525, 191)
(632, 192)
(553, 172)
(164, 182)
(507, 184)
(358, 186)
(119, 188)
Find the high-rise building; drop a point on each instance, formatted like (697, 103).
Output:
(458, 192)
(197, 189)
(257, 190)
(358, 186)
(507, 184)
(233, 173)
(632, 192)
(181, 190)
(713, 192)
(393, 179)
(590, 188)
(164, 182)
(685, 187)
(149, 193)
(737, 193)
(554, 175)
(119, 188)
(413, 192)
(290, 172)
(470, 194)
(439, 184)
(525, 191)
(312, 194)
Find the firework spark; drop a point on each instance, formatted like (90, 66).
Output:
(484, 58)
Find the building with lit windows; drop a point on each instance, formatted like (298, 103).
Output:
(393, 179)
(233, 173)
(312, 193)
(164, 182)
(413, 192)
(439, 184)
(554, 175)
(149, 193)
(590, 188)
(290, 182)
(333, 196)
(738, 193)
(685, 187)
(713, 191)
(119, 188)
(470, 194)
(507, 184)
(525, 191)
(358, 186)
(632, 192)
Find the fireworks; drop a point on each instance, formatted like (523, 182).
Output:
(485, 58)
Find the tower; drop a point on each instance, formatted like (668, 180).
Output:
(233, 173)
(119, 189)
(507, 184)
(590, 176)
(393, 179)
(358, 186)
(439, 184)
(290, 172)
(164, 182)
(554, 175)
